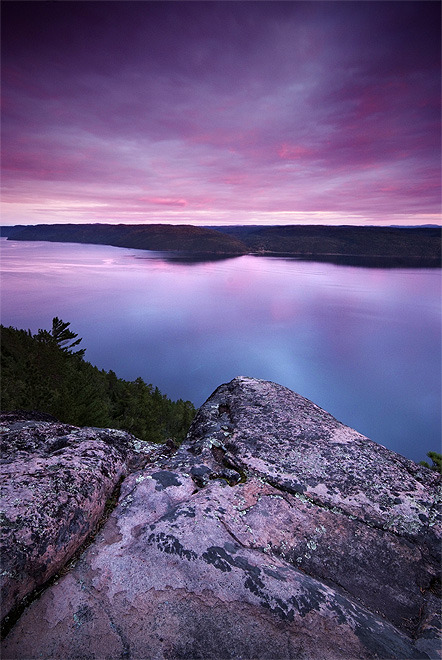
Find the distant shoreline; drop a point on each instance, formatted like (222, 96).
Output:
(384, 247)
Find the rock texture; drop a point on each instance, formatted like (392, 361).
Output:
(55, 482)
(274, 532)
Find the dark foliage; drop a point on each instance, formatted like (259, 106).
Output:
(436, 461)
(346, 245)
(42, 372)
(361, 246)
(182, 238)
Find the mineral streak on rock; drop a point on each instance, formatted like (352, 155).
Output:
(274, 532)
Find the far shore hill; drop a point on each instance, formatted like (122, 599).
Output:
(352, 245)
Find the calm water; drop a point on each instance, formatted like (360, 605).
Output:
(365, 344)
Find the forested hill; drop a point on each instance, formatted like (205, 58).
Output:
(181, 238)
(420, 246)
(47, 372)
(371, 246)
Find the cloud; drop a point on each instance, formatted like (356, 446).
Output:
(166, 201)
(251, 107)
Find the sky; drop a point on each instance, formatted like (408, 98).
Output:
(214, 113)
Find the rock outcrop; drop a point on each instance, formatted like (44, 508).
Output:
(273, 532)
(55, 482)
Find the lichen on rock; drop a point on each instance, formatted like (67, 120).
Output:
(274, 531)
(55, 482)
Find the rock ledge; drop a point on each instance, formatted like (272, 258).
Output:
(274, 532)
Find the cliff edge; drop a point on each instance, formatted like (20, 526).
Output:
(273, 532)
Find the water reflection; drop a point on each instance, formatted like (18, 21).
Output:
(363, 343)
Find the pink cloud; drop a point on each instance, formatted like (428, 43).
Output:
(227, 109)
(166, 201)
(293, 151)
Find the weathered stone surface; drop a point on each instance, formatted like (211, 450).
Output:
(55, 481)
(274, 532)
(357, 514)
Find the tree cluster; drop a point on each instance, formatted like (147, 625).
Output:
(436, 461)
(47, 372)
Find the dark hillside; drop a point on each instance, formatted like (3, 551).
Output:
(419, 246)
(183, 238)
(363, 246)
(10, 230)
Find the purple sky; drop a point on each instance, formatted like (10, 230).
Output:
(230, 112)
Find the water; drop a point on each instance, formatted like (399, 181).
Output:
(365, 344)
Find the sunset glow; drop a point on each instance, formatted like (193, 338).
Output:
(221, 112)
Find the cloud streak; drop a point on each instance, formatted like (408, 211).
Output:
(228, 112)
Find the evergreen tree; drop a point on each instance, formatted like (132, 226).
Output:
(436, 463)
(62, 337)
(42, 372)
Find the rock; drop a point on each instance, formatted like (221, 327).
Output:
(356, 513)
(274, 532)
(55, 482)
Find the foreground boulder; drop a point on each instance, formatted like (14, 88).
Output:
(273, 532)
(55, 482)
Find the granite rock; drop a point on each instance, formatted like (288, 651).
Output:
(55, 481)
(274, 532)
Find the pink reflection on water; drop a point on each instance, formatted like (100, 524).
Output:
(357, 341)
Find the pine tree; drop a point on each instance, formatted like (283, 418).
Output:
(42, 372)
(62, 337)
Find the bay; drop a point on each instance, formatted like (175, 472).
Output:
(362, 343)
